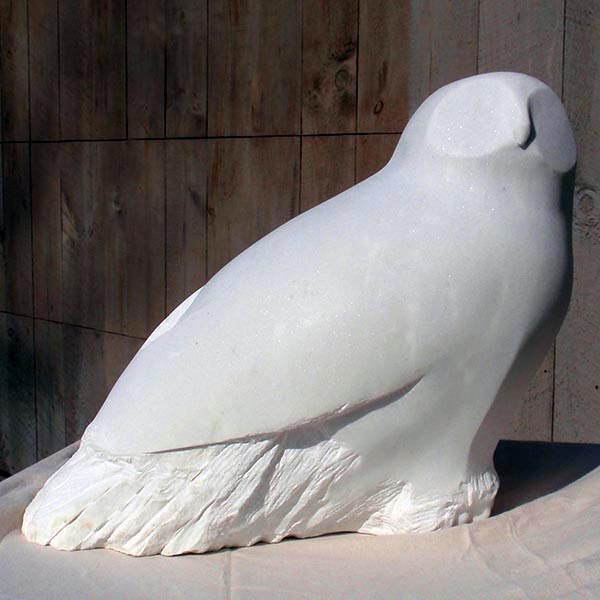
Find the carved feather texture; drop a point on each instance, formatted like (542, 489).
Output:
(234, 494)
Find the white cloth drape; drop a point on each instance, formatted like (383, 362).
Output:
(548, 548)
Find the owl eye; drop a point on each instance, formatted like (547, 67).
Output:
(478, 116)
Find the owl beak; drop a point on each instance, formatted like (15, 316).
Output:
(548, 126)
(528, 133)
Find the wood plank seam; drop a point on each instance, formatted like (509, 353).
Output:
(33, 356)
(203, 137)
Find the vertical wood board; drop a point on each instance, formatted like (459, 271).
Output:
(329, 46)
(112, 204)
(373, 152)
(76, 368)
(14, 71)
(46, 225)
(443, 45)
(186, 181)
(524, 36)
(253, 188)
(15, 230)
(383, 65)
(44, 69)
(146, 68)
(327, 168)
(99, 234)
(17, 400)
(254, 67)
(186, 62)
(50, 387)
(93, 102)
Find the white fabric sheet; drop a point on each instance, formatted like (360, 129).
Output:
(548, 548)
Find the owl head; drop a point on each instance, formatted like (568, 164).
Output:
(495, 114)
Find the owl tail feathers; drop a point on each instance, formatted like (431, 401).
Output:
(166, 503)
(233, 494)
(87, 504)
(192, 500)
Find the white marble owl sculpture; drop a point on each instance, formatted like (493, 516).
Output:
(354, 369)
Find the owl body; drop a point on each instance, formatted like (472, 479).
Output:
(354, 369)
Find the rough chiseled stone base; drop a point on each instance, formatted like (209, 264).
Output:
(233, 494)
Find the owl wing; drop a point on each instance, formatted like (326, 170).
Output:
(305, 324)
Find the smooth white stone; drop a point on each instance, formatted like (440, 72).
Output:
(354, 369)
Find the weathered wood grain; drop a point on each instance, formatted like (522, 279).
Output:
(17, 400)
(524, 36)
(75, 370)
(373, 152)
(186, 181)
(327, 167)
(99, 255)
(577, 400)
(383, 65)
(15, 230)
(253, 187)
(146, 68)
(186, 62)
(330, 30)
(133, 198)
(112, 204)
(443, 45)
(50, 387)
(14, 73)
(92, 69)
(44, 70)
(47, 227)
(254, 67)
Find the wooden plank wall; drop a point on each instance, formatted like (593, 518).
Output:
(144, 143)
